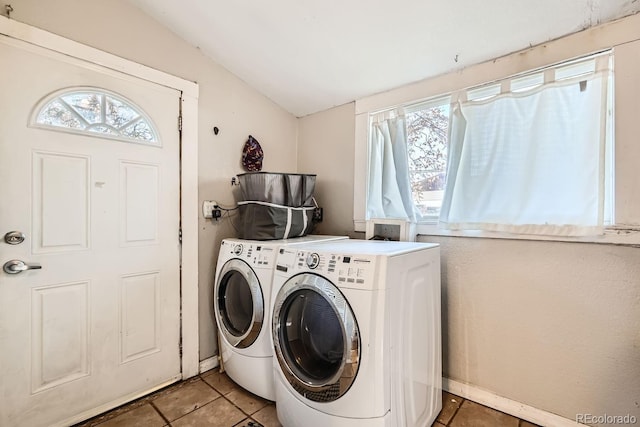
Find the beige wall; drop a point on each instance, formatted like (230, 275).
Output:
(553, 325)
(326, 149)
(237, 110)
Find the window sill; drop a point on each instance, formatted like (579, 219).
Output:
(627, 235)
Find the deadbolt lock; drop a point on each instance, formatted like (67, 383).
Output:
(14, 237)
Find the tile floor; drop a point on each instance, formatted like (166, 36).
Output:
(213, 400)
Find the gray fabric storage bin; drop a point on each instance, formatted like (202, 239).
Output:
(286, 189)
(268, 221)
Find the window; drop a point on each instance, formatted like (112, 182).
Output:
(95, 112)
(531, 154)
(427, 140)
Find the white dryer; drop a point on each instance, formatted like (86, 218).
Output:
(241, 299)
(356, 334)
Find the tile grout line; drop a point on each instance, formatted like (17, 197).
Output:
(247, 416)
(150, 398)
(453, 417)
(166, 420)
(188, 413)
(191, 412)
(225, 398)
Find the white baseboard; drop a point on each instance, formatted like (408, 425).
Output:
(208, 364)
(511, 407)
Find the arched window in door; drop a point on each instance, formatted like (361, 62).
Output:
(95, 112)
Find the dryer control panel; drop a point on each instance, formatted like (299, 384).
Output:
(351, 271)
(258, 255)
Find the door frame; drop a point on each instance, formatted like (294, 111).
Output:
(188, 165)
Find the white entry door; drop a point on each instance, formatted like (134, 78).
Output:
(95, 190)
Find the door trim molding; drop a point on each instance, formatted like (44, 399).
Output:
(209, 364)
(189, 164)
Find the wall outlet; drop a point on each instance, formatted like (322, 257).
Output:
(208, 208)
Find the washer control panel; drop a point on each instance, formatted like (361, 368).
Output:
(353, 271)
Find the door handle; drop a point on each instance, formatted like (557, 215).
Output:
(16, 266)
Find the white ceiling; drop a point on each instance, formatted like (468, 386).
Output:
(308, 56)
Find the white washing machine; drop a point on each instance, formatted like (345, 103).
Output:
(356, 334)
(241, 299)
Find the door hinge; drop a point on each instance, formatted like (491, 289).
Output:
(180, 235)
(180, 122)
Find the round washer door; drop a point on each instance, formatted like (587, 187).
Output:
(315, 337)
(238, 303)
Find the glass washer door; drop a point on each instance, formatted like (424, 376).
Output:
(238, 303)
(316, 337)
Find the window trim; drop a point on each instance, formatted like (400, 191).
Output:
(618, 36)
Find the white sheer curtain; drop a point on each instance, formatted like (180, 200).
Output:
(389, 193)
(529, 162)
